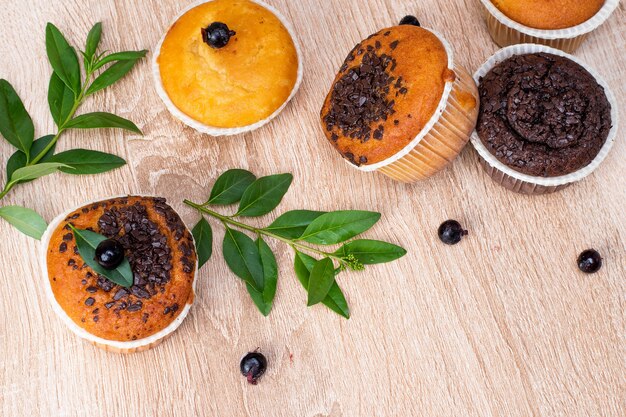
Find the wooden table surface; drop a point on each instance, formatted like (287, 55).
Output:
(502, 324)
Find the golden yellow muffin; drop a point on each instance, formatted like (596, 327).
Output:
(549, 14)
(162, 256)
(385, 93)
(239, 84)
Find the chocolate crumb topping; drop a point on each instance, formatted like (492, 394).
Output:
(543, 115)
(360, 98)
(146, 247)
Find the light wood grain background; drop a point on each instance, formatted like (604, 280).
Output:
(501, 325)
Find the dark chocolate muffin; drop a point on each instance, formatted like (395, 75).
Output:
(542, 114)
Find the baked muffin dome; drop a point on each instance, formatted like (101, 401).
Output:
(543, 115)
(552, 14)
(237, 85)
(385, 93)
(162, 256)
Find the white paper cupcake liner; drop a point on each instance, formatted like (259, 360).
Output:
(442, 138)
(527, 183)
(221, 131)
(109, 345)
(505, 31)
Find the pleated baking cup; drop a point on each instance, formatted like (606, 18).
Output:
(528, 184)
(115, 346)
(444, 136)
(223, 131)
(505, 31)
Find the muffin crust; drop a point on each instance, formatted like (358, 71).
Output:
(542, 114)
(238, 85)
(385, 93)
(549, 14)
(160, 250)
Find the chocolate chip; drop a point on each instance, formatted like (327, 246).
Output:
(121, 293)
(63, 247)
(92, 289)
(393, 45)
(89, 302)
(139, 292)
(104, 284)
(135, 307)
(68, 237)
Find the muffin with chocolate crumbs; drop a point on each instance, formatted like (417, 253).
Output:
(162, 256)
(393, 91)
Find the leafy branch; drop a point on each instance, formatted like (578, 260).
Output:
(67, 91)
(303, 230)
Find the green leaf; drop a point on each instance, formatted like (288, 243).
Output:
(93, 40)
(292, 224)
(264, 195)
(230, 186)
(60, 100)
(335, 300)
(120, 56)
(87, 242)
(63, 58)
(87, 162)
(15, 123)
(321, 279)
(111, 75)
(203, 236)
(243, 258)
(36, 171)
(99, 120)
(370, 252)
(264, 300)
(339, 226)
(18, 159)
(25, 220)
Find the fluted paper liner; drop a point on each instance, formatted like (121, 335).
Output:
(116, 346)
(505, 31)
(528, 184)
(223, 131)
(443, 137)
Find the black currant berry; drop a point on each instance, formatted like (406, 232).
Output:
(109, 254)
(217, 35)
(451, 232)
(252, 366)
(590, 261)
(410, 20)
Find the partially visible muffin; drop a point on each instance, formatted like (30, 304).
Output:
(162, 257)
(239, 83)
(385, 92)
(549, 14)
(543, 115)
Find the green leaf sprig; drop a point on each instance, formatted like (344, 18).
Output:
(68, 88)
(253, 261)
(87, 242)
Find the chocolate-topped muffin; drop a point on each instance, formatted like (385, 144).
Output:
(400, 105)
(543, 115)
(162, 258)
